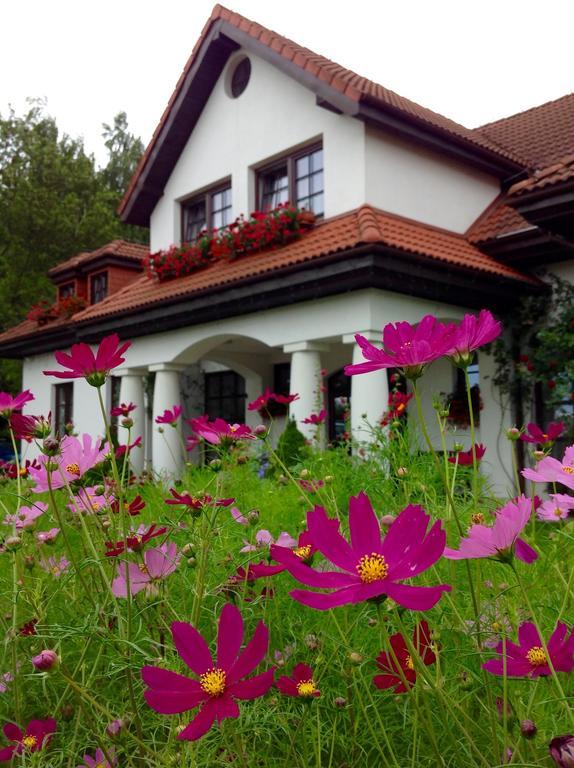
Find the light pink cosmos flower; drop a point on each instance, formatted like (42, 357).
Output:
(8, 403)
(219, 431)
(5, 680)
(158, 564)
(169, 416)
(83, 364)
(550, 470)
(76, 458)
(88, 502)
(99, 760)
(264, 539)
(410, 348)
(55, 566)
(26, 516)
(472, 332)
(238, 516)
(556, 508)
(47, 537)
(500, 541)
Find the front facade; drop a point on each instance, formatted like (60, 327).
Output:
(414, 215)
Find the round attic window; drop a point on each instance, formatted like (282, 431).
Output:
(240, 77)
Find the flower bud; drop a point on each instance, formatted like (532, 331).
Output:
(215, 464)
(562, 751)
(106, 523)
(457, 447)
(305, 473)
(115, 727)
(340, 702)
(67, 712)
(282, 480)
(12, 543)
(187, 549)
(242, 459)
(51, 446)
(538, 455)
(127, 423)
(355, 658)
(260, 430)
(395, 424)
(46, 661)
(513, 433)
(402, 471)
(160, 430)
(329, 479)
(528, 728)
(191, 562)
(312, 642)
(253, 515)
(387, 520)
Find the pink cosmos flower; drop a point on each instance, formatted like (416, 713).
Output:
(529, 659)
(191, 442)
(88, 502)
(36, 736)
(5, 681)
(550, 470)
(238, 517)
(76, 458)
(99, 760)
(406, 347)
(47, 537)
(300, 683)
(169, 416)
(370, 565)
(121, 450)
(465, 458)
(26, 516)
(219, 684)
(83, 364)
(558, 507)
(315, 418)
(123, 409)
(8, 403)
(219, 432)
(30, 427)
(304, 549)
(534, 434)
(268, 396)
(500, 541)
(158, 564)
(264, 539)
(472, 333)
(55, 566)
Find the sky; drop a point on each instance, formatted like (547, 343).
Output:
(472, 60)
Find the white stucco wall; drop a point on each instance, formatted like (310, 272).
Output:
(562, 269)
(273, 115)
(419, 184)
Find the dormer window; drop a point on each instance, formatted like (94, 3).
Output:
(98, 287)
(210, 210)
(66, 290)
(297, 178)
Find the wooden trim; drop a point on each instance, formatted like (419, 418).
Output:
(289, 159)
(204, 196)
(91, 285)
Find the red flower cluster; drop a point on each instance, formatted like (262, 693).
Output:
(44, 312)
(261, 230)
(398, 402)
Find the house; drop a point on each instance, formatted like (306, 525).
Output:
(416, 214)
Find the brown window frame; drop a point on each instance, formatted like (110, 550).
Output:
(289, 159)
(92, 278)
(65, 391)
(205, 197)
(69, 287)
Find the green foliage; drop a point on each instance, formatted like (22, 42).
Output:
(292, 445)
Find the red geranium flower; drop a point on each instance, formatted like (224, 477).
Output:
(465, 457)
(529, 659)
(83, 364)
(218, 684)
(300, 684)
(534, 434)
(397, 666)
(36, 736)
(369, 565)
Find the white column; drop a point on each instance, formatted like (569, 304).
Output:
(306, 382)
(369, 391)
(167, 449)
(132, 391)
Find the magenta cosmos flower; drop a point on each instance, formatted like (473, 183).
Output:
(83, 364)
(8, 403)
(550, 470)
(99, 760)
(26, 516)
(123, 409)
(465, 458)
(502, 540)
(561, 750)
(529, 659)
(218, 431)
(76, 458)
(218, 684)
(30, 427)
(472, 333)
(315, 418)
(300, 684)
(169, 416)
(534, 434)
(36, 736)
(370, 565)
(410, 348)
(158, 564)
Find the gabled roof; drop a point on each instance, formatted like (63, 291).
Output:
(121, 250)
(334, 85)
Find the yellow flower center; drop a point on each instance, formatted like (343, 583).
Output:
(478, 518)
(400, 408)
(558, 512)
(55, 571)
(372, 568)
(233, 427)
(23, 472)
(568, 470)
(536, 656)
(303, 553)
(409, 663)
(496, 626)
(96, 506)
(213, 682)
(545, 436)
(306, 688)
(143, 569)
(29, 741)
(73, 469)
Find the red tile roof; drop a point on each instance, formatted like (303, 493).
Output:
(499, 219)
(120, 248)
(342, 80)
(542, 135)
(553, 174)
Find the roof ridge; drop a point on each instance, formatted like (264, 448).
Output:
(368, 224)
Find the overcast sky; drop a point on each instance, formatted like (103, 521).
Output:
(472, 60)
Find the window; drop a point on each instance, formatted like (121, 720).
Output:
(210, 210)
(66, 290)
(282, 378)
(64, 406)
(297, 178)
(225, 396)
(98, 287)
(240, 77)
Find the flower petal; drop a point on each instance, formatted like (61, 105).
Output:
(252, 655)
(416, 598)
(191, 647)
(364, 526)
(229, 636)
(201, 723)
(329, 541)
(253, 687)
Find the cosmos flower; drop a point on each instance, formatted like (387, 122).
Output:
(550, 470)
(465, 457)
(397, 665)
(8, 403)
(26, 516)
(75, 459)
(123, 410)
(88, 502)
(409, 348)
(502, 540)
(135, 541)
(36, 736)
(99, 760)
(268, 396)
(315, 418)
(264, 539)
(55, 566)
(30, 427)
(300, 683)
(558, 507)
(218, 684)
(131, 508)
(529, 659)
(398, 402)
(83, 364)
(158, 564)
(169, 416)
(561, 750)
(369, 565)
(237, 515)
(196, 503)
(219, 432)
(534, 434)
(47, 537)
(472, 332)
